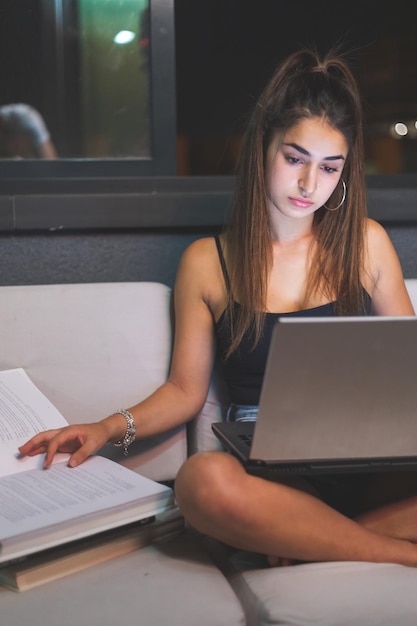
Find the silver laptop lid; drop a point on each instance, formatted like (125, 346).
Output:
(339, 387)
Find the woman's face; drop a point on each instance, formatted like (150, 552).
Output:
(303, 167)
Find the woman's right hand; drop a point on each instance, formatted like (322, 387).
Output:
(79, 440)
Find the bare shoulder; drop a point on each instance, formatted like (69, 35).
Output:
(376, 234)
(200, 272)
(381, 254)
(383, 276)
(200, 251)
(199, 260)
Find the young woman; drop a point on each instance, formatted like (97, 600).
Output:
(299, 243)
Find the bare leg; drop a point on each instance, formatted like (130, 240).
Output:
(394, 520)
(221, 500)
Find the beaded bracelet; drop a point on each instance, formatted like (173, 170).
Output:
(130, 430)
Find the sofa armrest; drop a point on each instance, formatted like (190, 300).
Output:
(94, 348)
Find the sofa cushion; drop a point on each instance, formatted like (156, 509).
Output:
(170, 583)
(94, 348)
(329, 594)
(326, 594)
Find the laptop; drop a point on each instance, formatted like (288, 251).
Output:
(339, 396)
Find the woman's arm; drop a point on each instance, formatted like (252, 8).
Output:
(185, 391)
(388, 290)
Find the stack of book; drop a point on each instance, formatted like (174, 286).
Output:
(58, 521)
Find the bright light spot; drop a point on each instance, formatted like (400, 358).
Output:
(124, 36)
(401, 129)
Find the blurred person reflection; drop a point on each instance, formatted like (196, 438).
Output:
(23, 134)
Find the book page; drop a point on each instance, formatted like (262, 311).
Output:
(101, 492)
(24, 411)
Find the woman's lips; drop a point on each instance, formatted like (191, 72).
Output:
(301, 203)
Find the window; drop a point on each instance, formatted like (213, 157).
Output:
(101, 76)
(227, 49)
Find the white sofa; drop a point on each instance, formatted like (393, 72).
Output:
(93, 348)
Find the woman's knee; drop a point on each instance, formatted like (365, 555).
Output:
(203, 482)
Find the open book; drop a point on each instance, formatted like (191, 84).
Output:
(41, 508)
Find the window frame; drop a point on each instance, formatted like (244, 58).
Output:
(86, 194)
(41, 176)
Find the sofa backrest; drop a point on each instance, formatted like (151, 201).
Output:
(94, 348)
(199, 433)
(411, 284)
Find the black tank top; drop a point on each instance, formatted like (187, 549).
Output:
(244, 368)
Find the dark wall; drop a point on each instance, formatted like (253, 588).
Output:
(404, 239)
(63, 238)
(91, 257)
(129, 256)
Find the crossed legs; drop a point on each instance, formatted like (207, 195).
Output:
(221, 500)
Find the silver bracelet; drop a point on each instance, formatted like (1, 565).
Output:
(130, 430)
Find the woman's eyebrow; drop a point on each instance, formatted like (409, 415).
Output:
(336, 157)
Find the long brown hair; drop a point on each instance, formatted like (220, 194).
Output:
(303, 86)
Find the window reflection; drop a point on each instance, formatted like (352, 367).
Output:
(83, 66)
(24, 134)
(114, 75)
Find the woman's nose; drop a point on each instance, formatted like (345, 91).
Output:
(308, 182)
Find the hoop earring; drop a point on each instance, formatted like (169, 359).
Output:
(342, 200)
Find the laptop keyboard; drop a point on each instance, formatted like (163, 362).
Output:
(247, 439)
